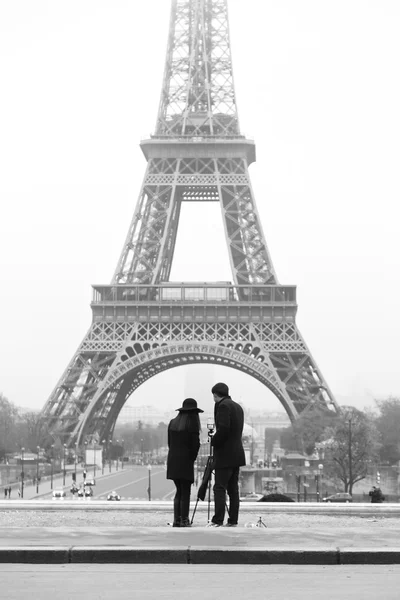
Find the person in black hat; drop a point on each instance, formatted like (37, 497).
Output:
(183, 444)
(228, 454)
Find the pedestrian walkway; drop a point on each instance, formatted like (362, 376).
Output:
(137, 532)
(198, 545)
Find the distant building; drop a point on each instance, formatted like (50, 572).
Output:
(148, 415)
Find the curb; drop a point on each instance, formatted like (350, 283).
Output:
(263, 508)
(193, 555)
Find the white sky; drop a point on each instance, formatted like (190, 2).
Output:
(317, 84)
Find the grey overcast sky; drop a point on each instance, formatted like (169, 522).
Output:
(317, 84)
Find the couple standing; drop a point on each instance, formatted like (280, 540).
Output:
(228, 454)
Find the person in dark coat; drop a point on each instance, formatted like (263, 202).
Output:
(183, 444)
(376, 495)
(228, 454)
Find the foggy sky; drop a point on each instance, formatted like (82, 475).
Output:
(317, 87)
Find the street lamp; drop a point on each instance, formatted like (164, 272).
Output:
(22, 472)
(122, 455)
(102, 456)
(117, 441)
(64, 447)
(37, 468)
(298, 484)
(149, 488)
(76, 458)
(349, 417)
(52, 466)
(109, 454)
(319, 477)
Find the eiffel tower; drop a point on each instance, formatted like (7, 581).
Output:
(144, 324)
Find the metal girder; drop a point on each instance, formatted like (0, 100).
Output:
(198, 96)
(273, 353)
(149, 248)
(142, 326)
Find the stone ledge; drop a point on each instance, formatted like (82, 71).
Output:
(193, 555)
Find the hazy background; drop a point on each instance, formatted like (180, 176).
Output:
(317, 86)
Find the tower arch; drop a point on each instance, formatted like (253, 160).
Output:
(132, 371)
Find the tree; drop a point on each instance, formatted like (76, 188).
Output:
(388, 424)
(8, 420)
(31, 429)
(308, 430)
(351, 444)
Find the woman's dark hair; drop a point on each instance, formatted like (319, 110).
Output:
(186, 421)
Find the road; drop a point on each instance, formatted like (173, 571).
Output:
(200, 582)
(132, 483)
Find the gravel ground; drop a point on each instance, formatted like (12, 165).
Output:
(156, 519)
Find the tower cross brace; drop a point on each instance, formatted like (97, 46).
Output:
(142, 322)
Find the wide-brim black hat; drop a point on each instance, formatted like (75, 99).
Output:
(189, 405)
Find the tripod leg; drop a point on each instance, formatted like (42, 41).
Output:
(194, 512)
(209, 500)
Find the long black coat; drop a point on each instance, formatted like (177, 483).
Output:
(227, 440)
(183, 449)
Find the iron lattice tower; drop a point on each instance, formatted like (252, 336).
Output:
(142, 323)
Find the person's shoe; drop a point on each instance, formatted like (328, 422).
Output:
(177, 522)
(231, 525)
(211, 524)
(185, 523)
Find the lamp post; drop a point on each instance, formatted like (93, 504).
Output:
(122, 455)
(109, 455)
(102, 456)
(350, 459)
(64, 447)
(348, 420)
(37, 468)
(94, 460)
(141, 450)
(318, 481)
(117, 441)
(22, 472)
(76, 459)
(52, 466)
(149, 488)
(298, 482)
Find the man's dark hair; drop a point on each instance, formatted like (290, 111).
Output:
(220, 389)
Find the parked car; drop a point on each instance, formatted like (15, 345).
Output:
(339, 497)
(251, 497)
(90, 482)
(59, 494)
(113, 496)
(86, 492)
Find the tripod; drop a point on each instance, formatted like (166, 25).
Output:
(206, 481)
(260, 523)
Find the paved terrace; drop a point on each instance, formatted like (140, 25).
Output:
(41, 530)
(137, 532)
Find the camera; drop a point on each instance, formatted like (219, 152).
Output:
(210, 427)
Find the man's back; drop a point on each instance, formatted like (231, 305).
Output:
(227, 441)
